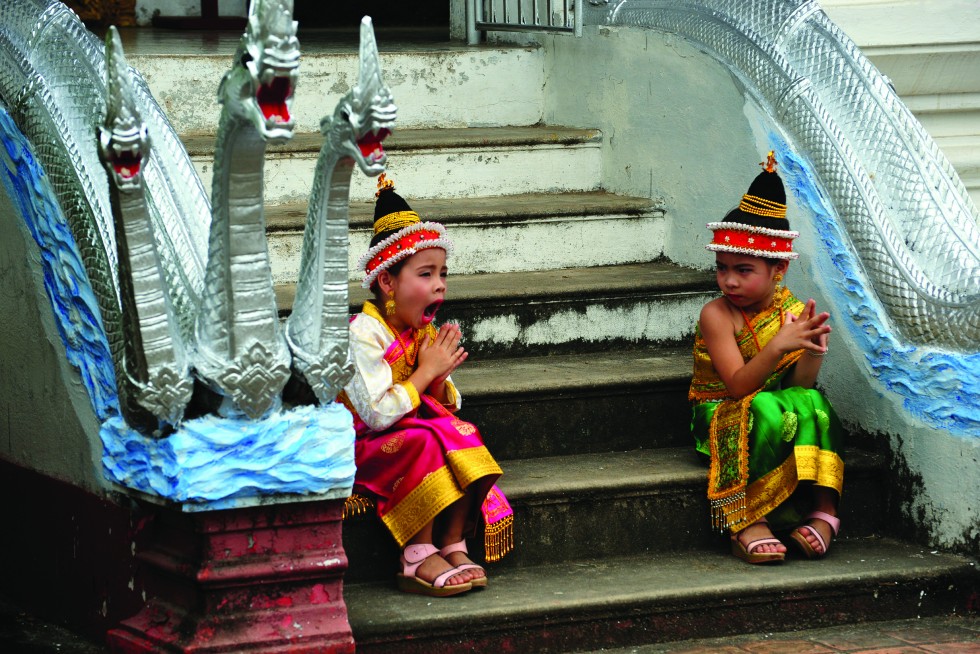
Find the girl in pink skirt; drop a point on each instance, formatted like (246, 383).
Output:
(426, 471)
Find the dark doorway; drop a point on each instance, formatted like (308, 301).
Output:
(386, 14)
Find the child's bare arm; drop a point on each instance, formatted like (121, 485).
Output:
(739, 377)
(742, 378)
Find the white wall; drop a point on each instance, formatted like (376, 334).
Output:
(672, 123)
(46, 419)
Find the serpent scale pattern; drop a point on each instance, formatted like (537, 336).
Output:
(52, 78)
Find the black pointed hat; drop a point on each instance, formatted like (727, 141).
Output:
(398, 233)
(758, 226)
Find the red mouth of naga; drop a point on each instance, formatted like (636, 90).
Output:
(370, 144)
(272, 99)
(126, 165)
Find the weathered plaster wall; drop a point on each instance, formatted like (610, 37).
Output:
(681, 127)
(672, 122)
(46, 418)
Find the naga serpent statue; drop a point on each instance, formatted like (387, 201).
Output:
(155, 371)
(182, 313)
(241, 350)
(317, 328)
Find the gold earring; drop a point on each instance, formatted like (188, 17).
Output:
(390, 305)
(778, 278)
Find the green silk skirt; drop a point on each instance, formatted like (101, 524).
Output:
(794, 435)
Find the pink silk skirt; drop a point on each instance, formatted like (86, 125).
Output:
(423, 463)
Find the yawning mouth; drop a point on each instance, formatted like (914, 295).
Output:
(272, 99)
(370, 145)
(430, 311)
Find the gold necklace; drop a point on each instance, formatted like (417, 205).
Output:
(410, 356)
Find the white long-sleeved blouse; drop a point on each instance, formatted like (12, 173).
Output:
(379, 393)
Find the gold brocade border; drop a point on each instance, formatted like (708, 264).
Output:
(451, 395)
(437, 491)
(823, 467)
(413, 393)
(728, 432)
(770, 490)
(472, 464)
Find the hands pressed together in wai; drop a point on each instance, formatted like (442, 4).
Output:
(439, 357)
(808, 331)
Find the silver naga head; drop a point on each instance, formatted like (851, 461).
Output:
(366, 115)
(264, 73)
(124, 142)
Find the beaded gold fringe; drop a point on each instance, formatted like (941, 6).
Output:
(728, 512)
(498, 538)
(356, 505)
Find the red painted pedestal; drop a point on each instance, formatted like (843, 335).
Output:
(264, 579)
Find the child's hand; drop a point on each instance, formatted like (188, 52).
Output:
(443, 355)
(808, 331)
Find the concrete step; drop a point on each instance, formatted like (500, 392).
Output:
(922, 45)
(662, 596)
(433, 84)
(536, 231)
(558, 311)
(953, 120)
(607, 504)
(438, 163)
(929, 68)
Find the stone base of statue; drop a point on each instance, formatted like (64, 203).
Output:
(258, 579)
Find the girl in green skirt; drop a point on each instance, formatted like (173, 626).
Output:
(774, 442)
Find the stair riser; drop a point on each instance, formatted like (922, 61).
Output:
(442, 173)
(512, 245)
(605, 626)
(575, 324)
(594, 525)
(431, 89)
(582, 421)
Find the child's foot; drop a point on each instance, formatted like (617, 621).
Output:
(815, 536)
(426, 573)
(435, 565)
(756, 544)
(456, 554)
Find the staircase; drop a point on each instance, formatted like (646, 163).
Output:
(579, 334)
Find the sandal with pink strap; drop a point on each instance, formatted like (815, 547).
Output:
(412, 558)
(800, 538)
(747, 552)
(479, 582)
